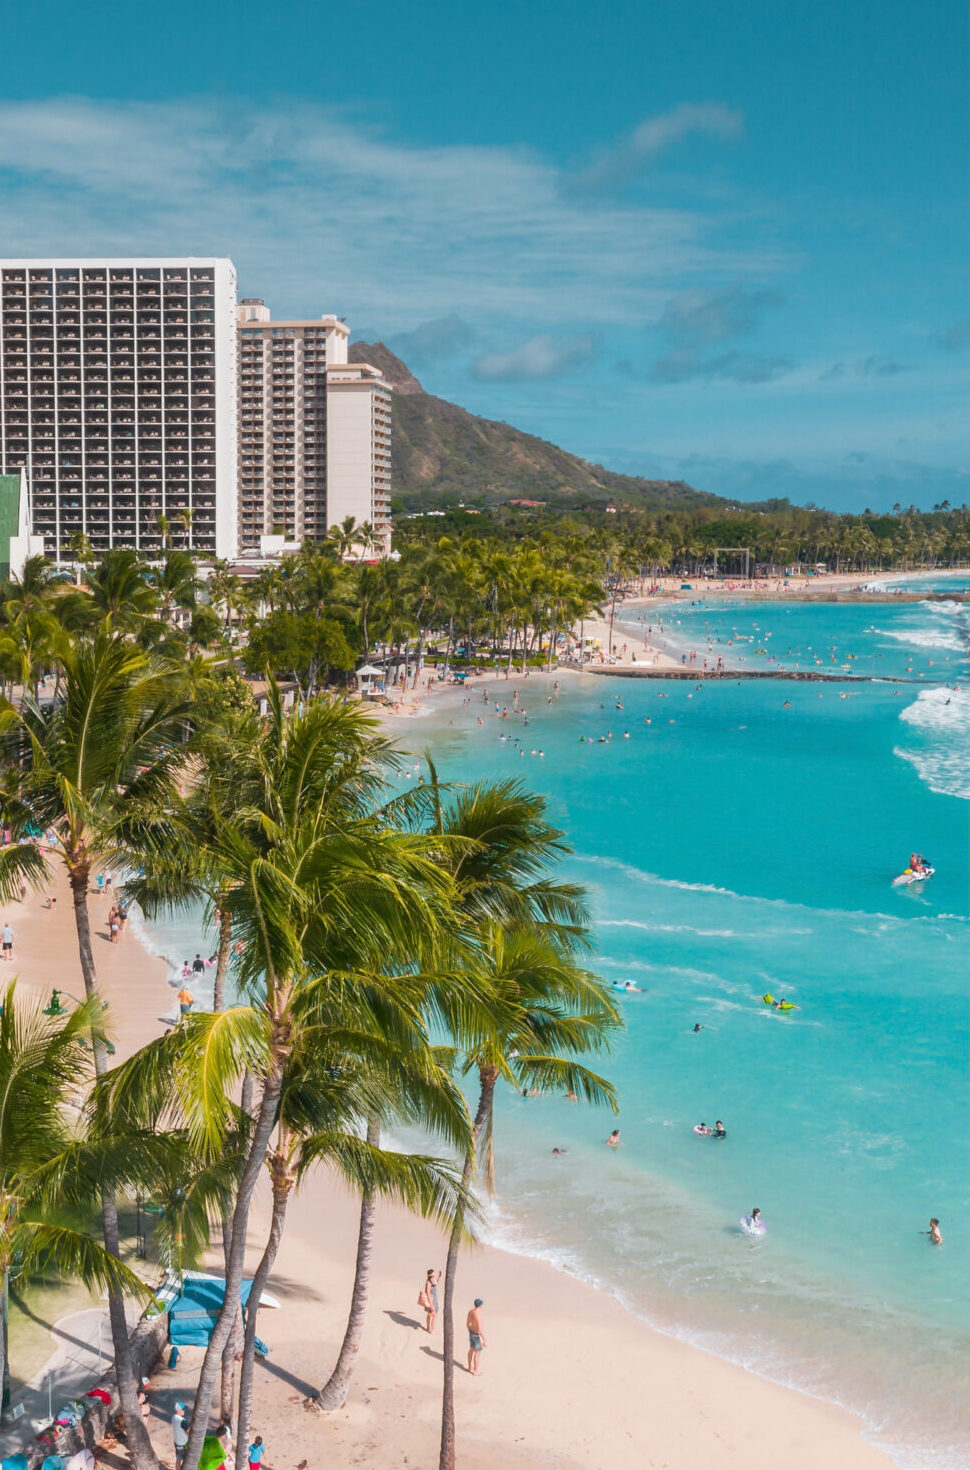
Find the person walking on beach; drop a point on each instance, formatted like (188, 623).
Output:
(256, 1452)
(7, 940)
(114, 926)
(186, 1000)
(476, 1336)
(428, 1298)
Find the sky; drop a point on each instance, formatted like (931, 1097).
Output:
(716, 240)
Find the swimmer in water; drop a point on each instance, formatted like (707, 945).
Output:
(697, 1027)
(614, 1139)
(935, 1233)
(719, 1130)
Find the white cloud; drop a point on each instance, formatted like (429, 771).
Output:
(540, 358)
(319, 213)
(655, 136)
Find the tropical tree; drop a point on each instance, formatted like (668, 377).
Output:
(522, 929)
(95, 774)
(46, 1165)
(317, 884)
(340, 1081)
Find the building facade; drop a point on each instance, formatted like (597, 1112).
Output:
(314, 431)
(118, 396)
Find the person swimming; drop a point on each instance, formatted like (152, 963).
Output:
(719, 1130)
(697, 1027)
(614, 1139)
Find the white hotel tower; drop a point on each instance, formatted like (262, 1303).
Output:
(118, 395)
(314, 431)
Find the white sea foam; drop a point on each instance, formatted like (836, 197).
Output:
(642, 875)
(939, 722)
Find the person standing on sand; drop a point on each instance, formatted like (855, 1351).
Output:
(428, 1298)
(476, 1337)
(180, 1436)
(7, 939)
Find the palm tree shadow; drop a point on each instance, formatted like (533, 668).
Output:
(440, 1357)
(402, 1320)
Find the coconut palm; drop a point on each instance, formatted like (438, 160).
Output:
(95, 774)
(341, 1079)
(119, 592)
(546, 1012)
(523, 929)
(44, 1061)
(316, 884)
(175, 583)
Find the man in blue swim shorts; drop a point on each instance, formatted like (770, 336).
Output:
(476, 1336)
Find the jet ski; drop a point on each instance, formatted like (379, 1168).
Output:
(913, 875)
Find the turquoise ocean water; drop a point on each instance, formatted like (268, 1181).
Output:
(733, 846)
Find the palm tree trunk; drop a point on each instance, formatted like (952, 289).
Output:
(143, 1457)
(446, 1459)
(265, 1123)
(283, 1182)
(228, 1382)
(333, 1395)
(4, 1356)
(222, 963)
(227, 1385)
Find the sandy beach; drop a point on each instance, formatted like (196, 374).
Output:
(570, 1378)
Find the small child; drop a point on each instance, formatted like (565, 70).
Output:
(256, 1452)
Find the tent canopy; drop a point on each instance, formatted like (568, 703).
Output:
(193, 1313)
(370, 671)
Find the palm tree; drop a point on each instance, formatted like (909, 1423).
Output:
(339, 1081)
(186, 515)
(316, 885)
(96, 773)
(547, 1011)
(44, 1059)
(175, 583)
(522, 929)
(119, 590)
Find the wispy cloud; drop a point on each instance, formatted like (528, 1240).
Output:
(654, 137)
(322, 213)
(540, 358)
(431, 341)
(882, 367)
(695, 322)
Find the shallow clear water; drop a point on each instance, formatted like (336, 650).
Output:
(733, 846)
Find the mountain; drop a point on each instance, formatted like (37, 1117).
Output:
(443, 453)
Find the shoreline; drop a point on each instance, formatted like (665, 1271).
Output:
(557, 1342)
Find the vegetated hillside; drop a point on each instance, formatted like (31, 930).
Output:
(443, 453)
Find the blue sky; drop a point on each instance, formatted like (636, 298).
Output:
(719, 241)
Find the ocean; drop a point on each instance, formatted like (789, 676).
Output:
(733, 846)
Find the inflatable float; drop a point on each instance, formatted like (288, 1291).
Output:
(779, 1005)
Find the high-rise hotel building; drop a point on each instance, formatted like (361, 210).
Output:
(314, 431)
(118, 395)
